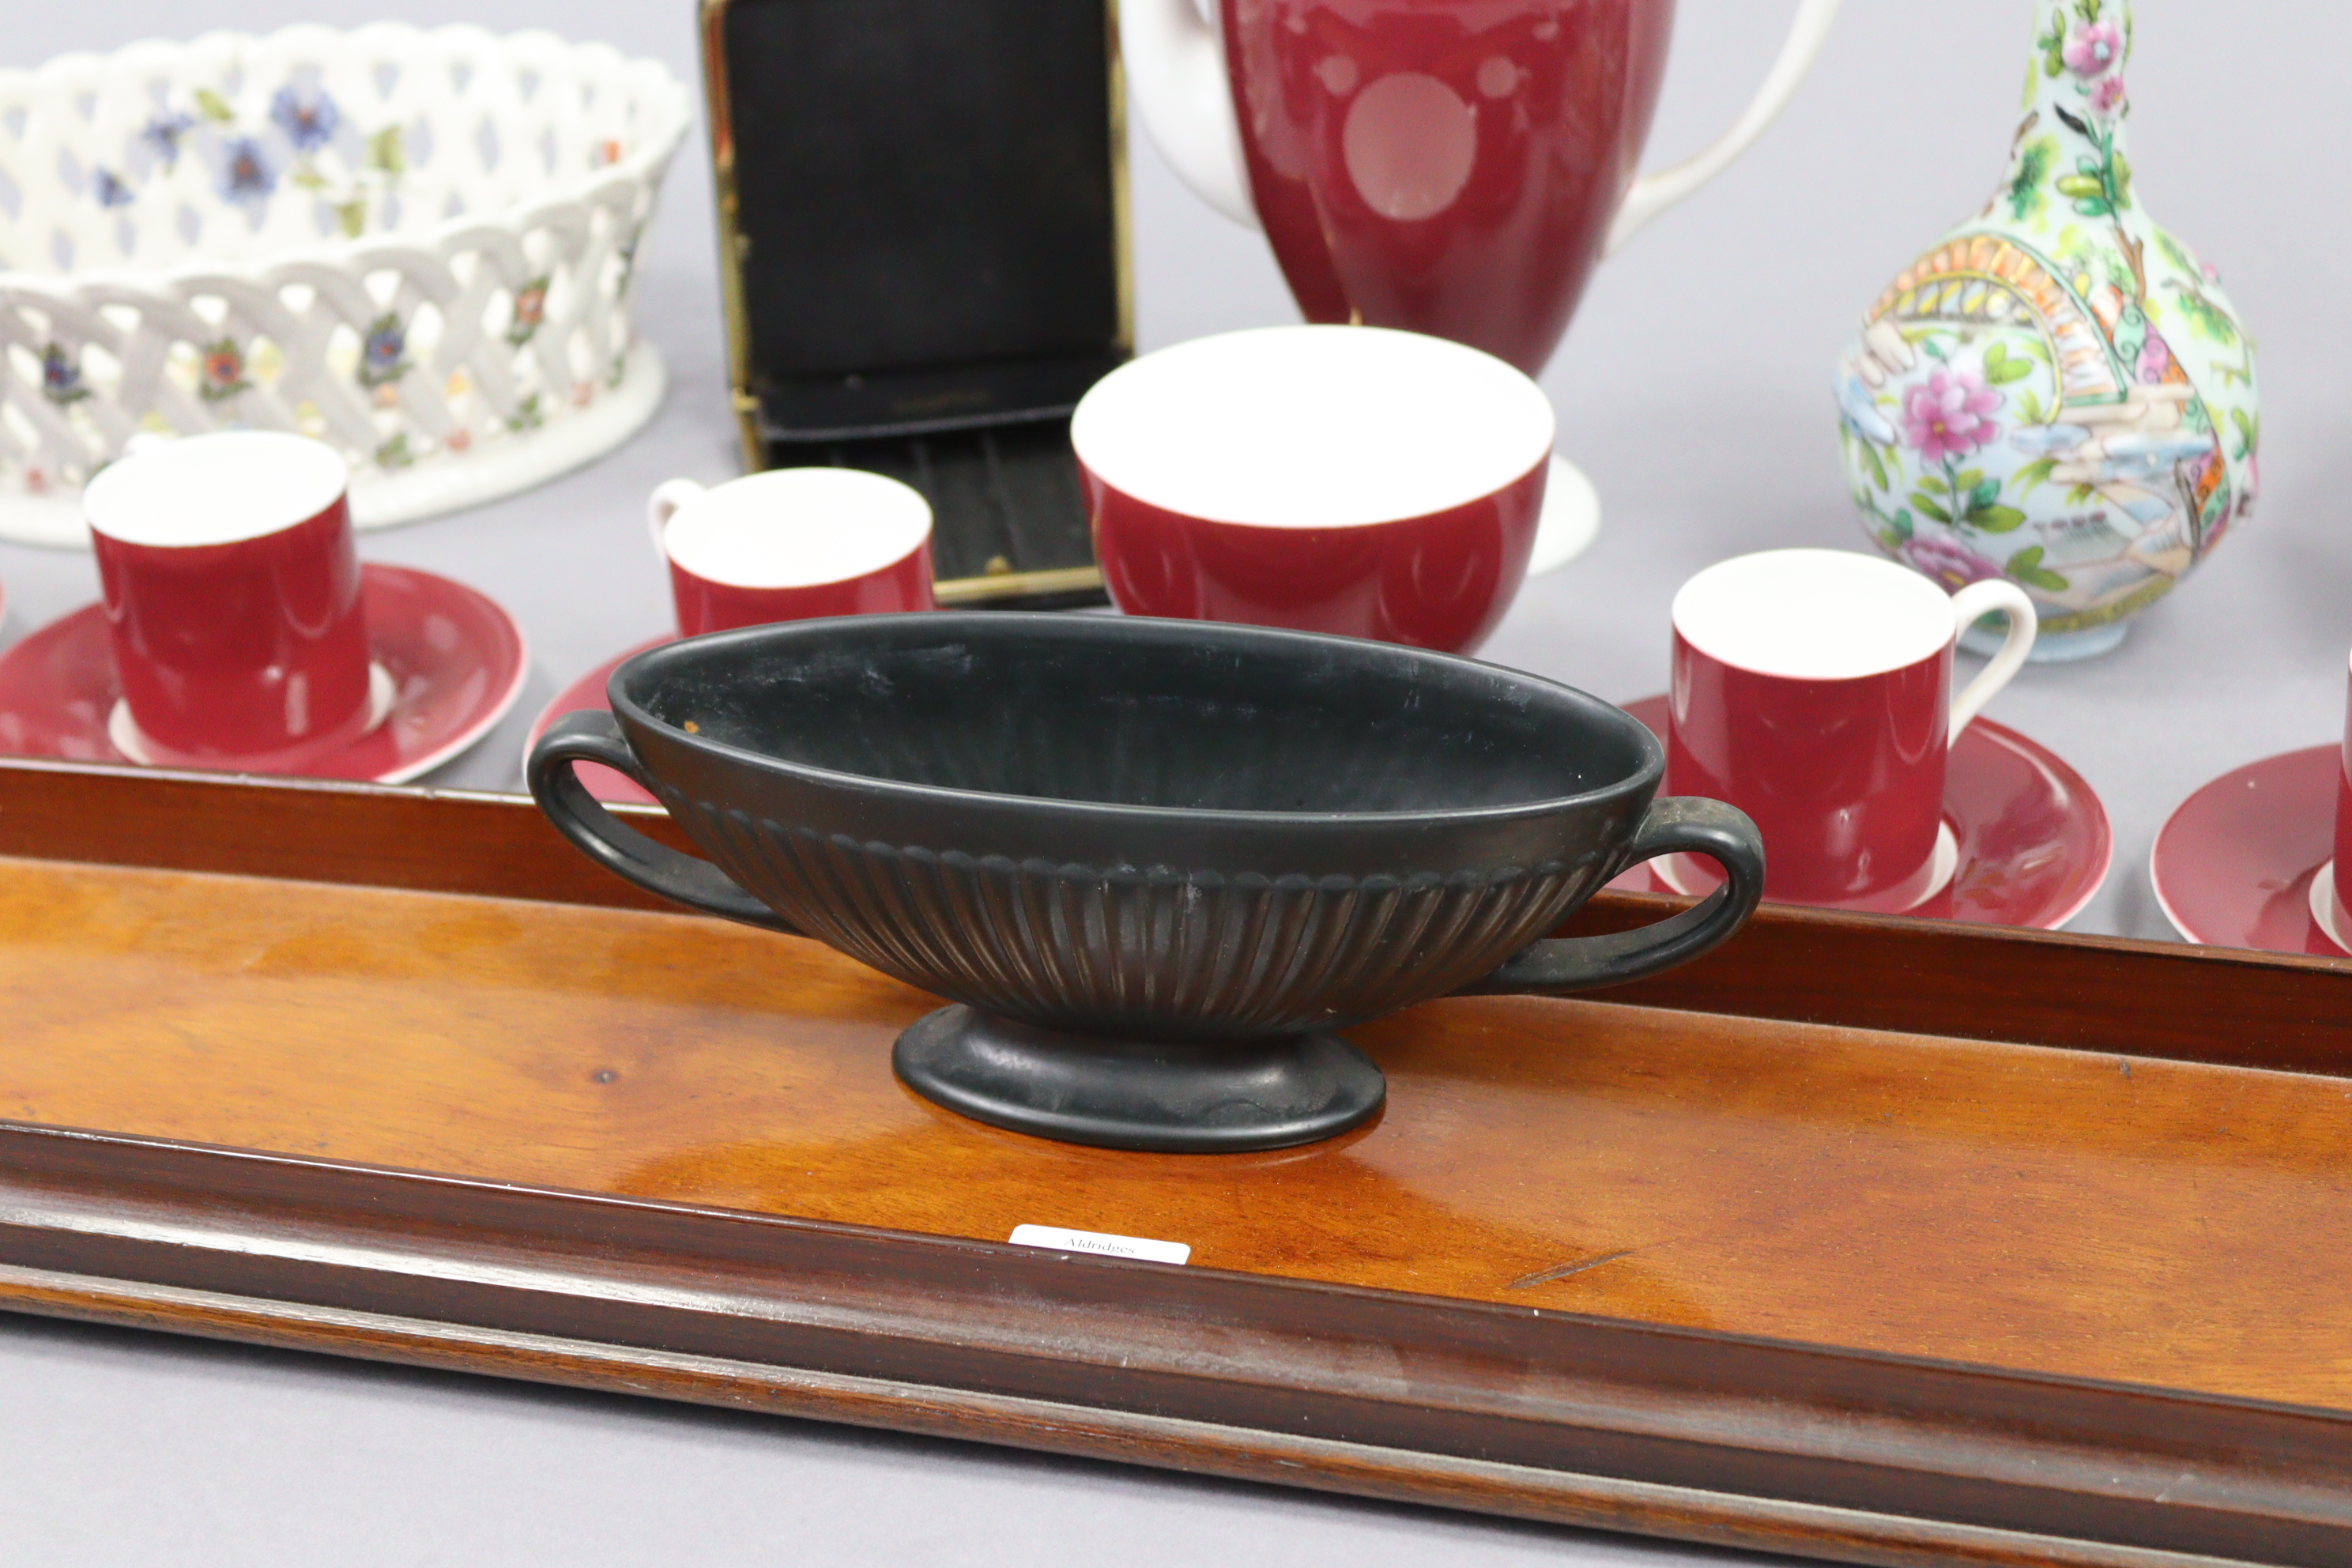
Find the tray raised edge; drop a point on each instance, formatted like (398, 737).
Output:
(1542, 1415)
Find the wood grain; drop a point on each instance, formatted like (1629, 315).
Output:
(1947, 1198)
(1815, 1245)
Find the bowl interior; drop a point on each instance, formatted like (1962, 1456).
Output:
(232, 148)
(1139, 713)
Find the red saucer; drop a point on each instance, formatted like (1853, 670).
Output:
(2234, 862)
(456, 661)
(2034, 843)
(588, 692)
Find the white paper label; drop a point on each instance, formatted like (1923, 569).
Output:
(1101, 1245)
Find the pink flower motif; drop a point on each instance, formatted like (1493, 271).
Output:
(1949, 562)
(2096, 49)
(2155, 359)
(2108, 96)
(1950, 417)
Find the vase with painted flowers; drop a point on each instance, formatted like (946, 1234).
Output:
(2058, 391)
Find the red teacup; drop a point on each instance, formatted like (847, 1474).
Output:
(1452, 166)
(233, 598)
(791, 544)
(1810, 690)
(1345, 479)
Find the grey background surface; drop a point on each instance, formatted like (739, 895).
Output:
(1694, 389)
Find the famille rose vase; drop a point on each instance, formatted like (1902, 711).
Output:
(2058, 393)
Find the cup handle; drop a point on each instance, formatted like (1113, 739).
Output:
(1983, 598)
(1676, 825)
(595, 737)
(663, 504)
(1654, 193)
(1174, 60)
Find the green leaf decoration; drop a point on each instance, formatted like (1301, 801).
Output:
(2123, 179)
(2026, 567)
(2025, 197)
(1903, 527)
(1928, 506)
(351, 218)
(213, 106)
(2203, 315)
(2080, 495)
(1967, 480)
(2250, 432)
(386, 152)
(2010, 370)
(1877, 468)
(2090, 208)
(2033, 475)
(1983, 494)
(1996, 518)
(2031, 406)
(308, 178)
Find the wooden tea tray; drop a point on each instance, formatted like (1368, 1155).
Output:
(1885, 1241)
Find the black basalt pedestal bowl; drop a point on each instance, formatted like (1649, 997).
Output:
(1154, 863)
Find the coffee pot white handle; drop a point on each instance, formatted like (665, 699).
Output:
(1174, 58)
(1175, 64)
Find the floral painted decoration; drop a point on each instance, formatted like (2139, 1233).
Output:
(303, 139)
(530, 311)
(383, 353)
(306, 114)
(2058, 393)
(1953, 564)
(222, 374)
(163, 133)
(246, 175)
(61, 376)
(1951, 416)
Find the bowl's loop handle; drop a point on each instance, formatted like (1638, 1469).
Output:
(1686, 824)
(591, 737)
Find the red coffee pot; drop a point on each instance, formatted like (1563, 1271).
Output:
(1454, 167)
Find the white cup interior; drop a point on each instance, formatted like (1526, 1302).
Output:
(1814, 615)
(214, 489)
(797, 528)
(1313, 426)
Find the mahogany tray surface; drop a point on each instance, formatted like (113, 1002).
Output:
(1880, 1240)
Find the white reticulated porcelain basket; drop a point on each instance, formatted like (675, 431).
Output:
(416, 245)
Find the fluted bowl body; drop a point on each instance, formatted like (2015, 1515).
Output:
(1148, 829)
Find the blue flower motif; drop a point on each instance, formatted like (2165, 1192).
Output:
(61, 376)
(110, 189)
(247, 175)
(383, 354)
(162, 134)
(307, 115)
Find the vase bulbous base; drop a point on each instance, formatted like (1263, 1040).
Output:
(1984, 640)
(1215, 1097)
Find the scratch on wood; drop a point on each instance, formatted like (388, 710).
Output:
(1546, 1276)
